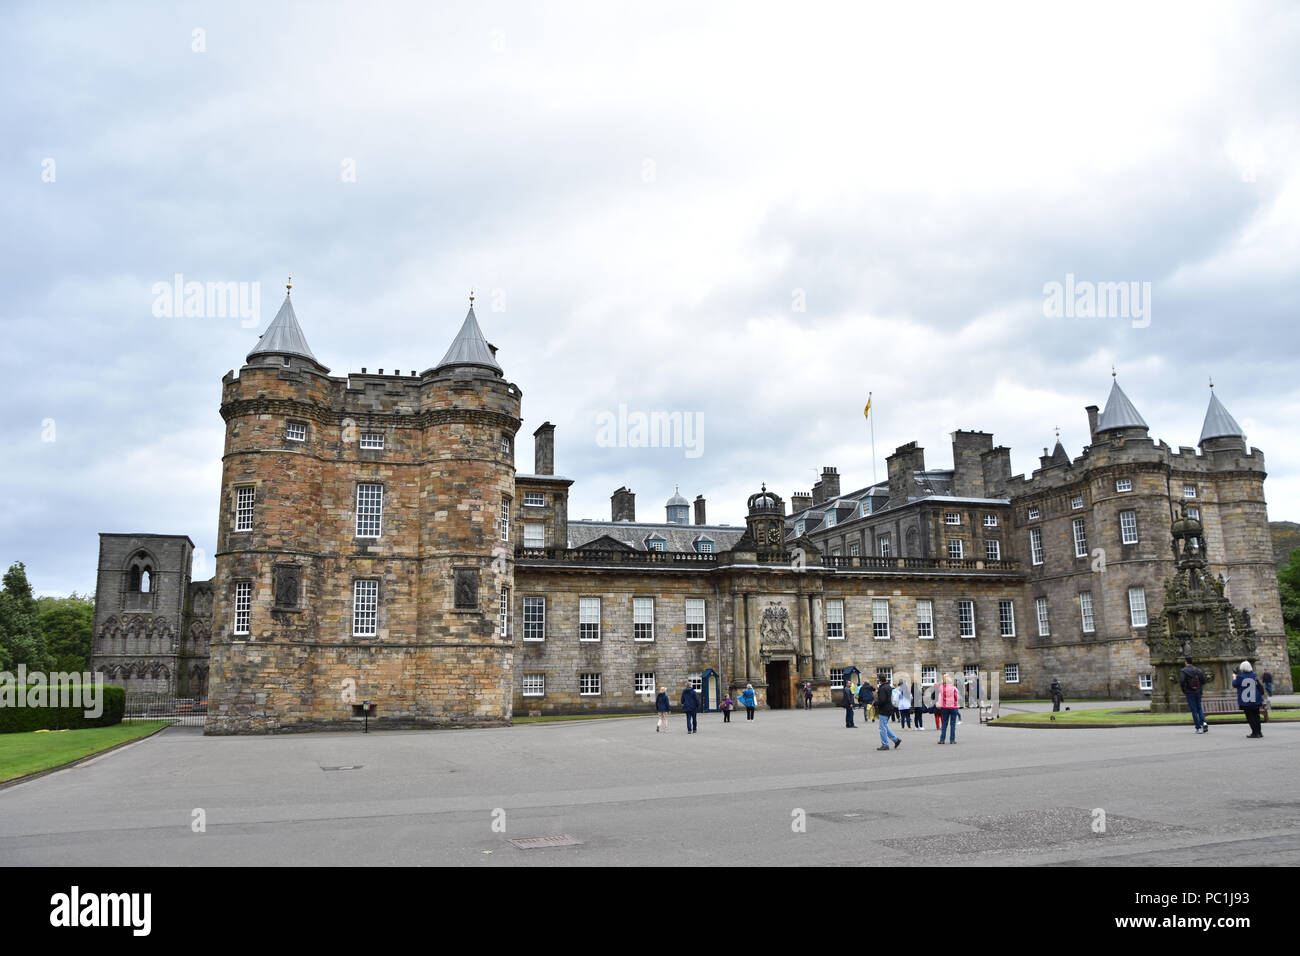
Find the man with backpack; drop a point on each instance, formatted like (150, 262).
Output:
(1192, 681)
(885, 708)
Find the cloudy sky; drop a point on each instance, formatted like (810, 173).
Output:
(752, 214)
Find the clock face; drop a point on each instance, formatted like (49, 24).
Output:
(773, 535)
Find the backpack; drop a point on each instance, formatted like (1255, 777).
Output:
(1194, 682)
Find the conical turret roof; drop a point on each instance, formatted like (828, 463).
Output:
(283, 336)
(469, 347)
(1059, 454)
(1218, 423)
(1119, 412)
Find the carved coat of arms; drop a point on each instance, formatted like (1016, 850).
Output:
(774, 631)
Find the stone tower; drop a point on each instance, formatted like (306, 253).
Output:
(363, 540)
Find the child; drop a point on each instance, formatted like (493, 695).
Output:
(727, 704)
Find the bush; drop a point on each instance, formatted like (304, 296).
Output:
(20, 719)
(1295, 678)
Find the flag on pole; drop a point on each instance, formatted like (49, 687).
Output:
(866, 412)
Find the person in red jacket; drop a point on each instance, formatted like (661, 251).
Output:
(948, 701)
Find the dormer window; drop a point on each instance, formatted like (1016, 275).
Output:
(864, 507)
(656, 543)
(798, 529)
(704, 545)
(830, 519)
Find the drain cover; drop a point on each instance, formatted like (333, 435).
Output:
(355, 766)
(536, 843)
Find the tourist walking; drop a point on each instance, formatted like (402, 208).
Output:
(807, 696)
(662, 706)
(1249, 697)
(904, 703)
(691, 707)
(947, 703)
(848, 703)
(1058, 694)
(884, 710)
(749, 699)
(1267, 679)
(1192, 680)
(728, 705)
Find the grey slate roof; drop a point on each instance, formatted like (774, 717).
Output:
(676, 499)
(1059, 456)
(1119, 412)
(1218, 423)
(469, 347)
(283, 336)
(677, 537)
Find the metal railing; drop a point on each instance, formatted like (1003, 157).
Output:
(147, 705)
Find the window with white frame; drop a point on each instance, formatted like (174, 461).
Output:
(837, 677)
(297, 431)
(374, 441)
(1007, 618)
(855, 549)
(243, 606)
(534, 534)
(370, 510)
(993, 550)
(1145, 682)
(589, 685)
(929, 674)
(534, 499)
(534, 618)
(534, 685)
(864, 507)
(505, 444)
(1128, 527)
(695, 619)
(365, 608)
(990, 521)
(1034, 514)
(952, 517)
(244, 508)
(704, 546)
(1085, 612)
(1080, 538)
(645, 684)
(588, 618)
(1194, 514)
(956, 549)
(1137, 606)
(1036, 545)
(1123, 484)
(1040, 607)
(1189, 491)
(970, 674)
(643, 618)
(966, 618)
(503, 519)
(924, 618)
(1011, 673)
(880, 619)
(1076, 502)
(835, 620)
(655, 543)
(885, 674)
(503, 613)
(830, 518)
(886, 546)
(696, 681)
(798, 529)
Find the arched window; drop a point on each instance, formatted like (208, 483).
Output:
(146, 579)
(134, 583)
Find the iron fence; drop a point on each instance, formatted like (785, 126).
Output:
(183, 711)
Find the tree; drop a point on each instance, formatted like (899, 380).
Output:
(1288, 583)
(66, 625)
(20, 634)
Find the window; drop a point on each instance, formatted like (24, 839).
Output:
(1036, 545)
(955, 549)
(645, 684)
(1128, 527)
(966, 618)
(370, 510)
(1040, 607)
(929, 674)
(704, 546)
(886, 546)
(643, 618)
(1033, 514)
(855, 549)
(798, 529)
(589, 685)
(830, 518)
(1085, 612)
(534, 499)
(970, 675)
(1123, 484)
(952, 517)
(1076, 502)
(864, 507)
(1145, 682)
(534, 534)
(884, 674)
(589, 619)
(534, 618)
(503, 519)
(372, 440)
(365, 608)
(1189, 491)
(505, 444)
(656, 544)
(834, 620)
(1137, 606)
(835, 552)
(924, 618)
(1194, 514)
(837, 677)
(1007, 618)
(503, 613)
(244, 508)
(993, 550)
(696, 681)
(1011, 673)
(1080, 538)
(243, 606)
(990, 521)
(534, 685)
(296, 431)
(880, 619)
(695, 619)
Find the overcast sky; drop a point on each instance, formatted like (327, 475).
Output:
(757, 215)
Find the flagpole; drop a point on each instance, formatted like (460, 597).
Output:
(872, 422)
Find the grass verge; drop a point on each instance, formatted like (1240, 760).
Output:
(1126, 717)
(33, 752)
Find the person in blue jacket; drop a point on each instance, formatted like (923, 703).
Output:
(848, 703)
(748, 698)
(662, 707)
(1249, 697)
(690, 706)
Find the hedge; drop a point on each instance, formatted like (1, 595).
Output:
(1295, 678)
(15, 720)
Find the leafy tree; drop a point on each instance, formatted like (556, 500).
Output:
(1288, 583)
(20, 634)
(66, 625)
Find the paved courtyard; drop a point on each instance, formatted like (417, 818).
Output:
(731, 794)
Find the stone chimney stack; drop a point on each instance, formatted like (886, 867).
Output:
(1092, 422)
(622, 505)
(799, 501)
(996, 463)
(903, 465)
(830, 484)
(967, 470)
(699, 510)
(544, 449)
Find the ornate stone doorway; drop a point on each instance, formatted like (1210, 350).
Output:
(779, 691)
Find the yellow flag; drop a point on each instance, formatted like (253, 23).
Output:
(866, 412)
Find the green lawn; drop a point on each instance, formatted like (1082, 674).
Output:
(1121, 716)
(21, 754)
(550, 718)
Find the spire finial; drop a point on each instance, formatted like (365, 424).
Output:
(1112, 369)
(288, 286)
(1058, 432)
(471, 298)
(1211, 381)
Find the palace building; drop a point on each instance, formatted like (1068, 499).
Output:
(376, 545)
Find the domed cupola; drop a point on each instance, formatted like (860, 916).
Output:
(679, 509)
(766, 521)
